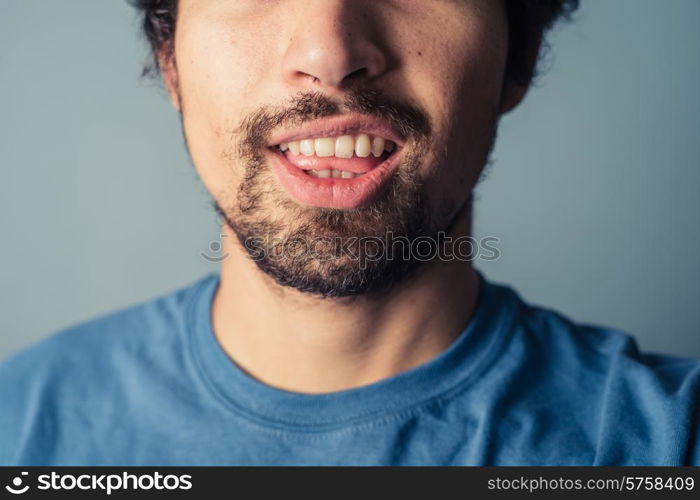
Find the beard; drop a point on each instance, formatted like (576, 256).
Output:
(322, 251)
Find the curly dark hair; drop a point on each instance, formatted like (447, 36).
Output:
(528, 21)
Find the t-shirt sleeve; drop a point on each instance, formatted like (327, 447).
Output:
(24, 406)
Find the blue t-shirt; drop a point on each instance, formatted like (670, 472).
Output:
(522, 385)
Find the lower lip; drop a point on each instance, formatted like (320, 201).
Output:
(330, 192)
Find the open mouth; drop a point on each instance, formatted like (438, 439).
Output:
(341, 163)
(342, 157)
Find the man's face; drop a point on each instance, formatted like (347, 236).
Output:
(328, 121)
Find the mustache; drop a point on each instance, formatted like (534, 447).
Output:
(407, 118)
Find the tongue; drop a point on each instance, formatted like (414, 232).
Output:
(355, 165)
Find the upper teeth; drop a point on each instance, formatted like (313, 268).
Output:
(341, 147)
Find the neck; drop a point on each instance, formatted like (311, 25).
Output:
(301, 343)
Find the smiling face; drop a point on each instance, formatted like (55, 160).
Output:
(325, 121)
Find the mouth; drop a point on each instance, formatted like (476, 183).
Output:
(339, 163)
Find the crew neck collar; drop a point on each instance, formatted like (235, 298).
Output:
(452, 370)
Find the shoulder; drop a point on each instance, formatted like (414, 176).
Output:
(646, 406)
(42, 386)
(607, 351)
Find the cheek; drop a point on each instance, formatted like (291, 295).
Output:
(216, 77)
(462, 90)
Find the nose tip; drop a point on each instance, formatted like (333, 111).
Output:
(334, 68)
(336, 53)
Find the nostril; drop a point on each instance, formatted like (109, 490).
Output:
(306, 76)
(358, 74)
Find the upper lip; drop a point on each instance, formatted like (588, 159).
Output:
(338, 126)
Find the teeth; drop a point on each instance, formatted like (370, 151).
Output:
(325, 147)
(307, 147)
(377, 147)
(345, 146)
(332, 173)
(363, 146)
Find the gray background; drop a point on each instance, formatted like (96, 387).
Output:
(593, 192)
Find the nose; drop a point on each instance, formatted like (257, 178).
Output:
(333, 44)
